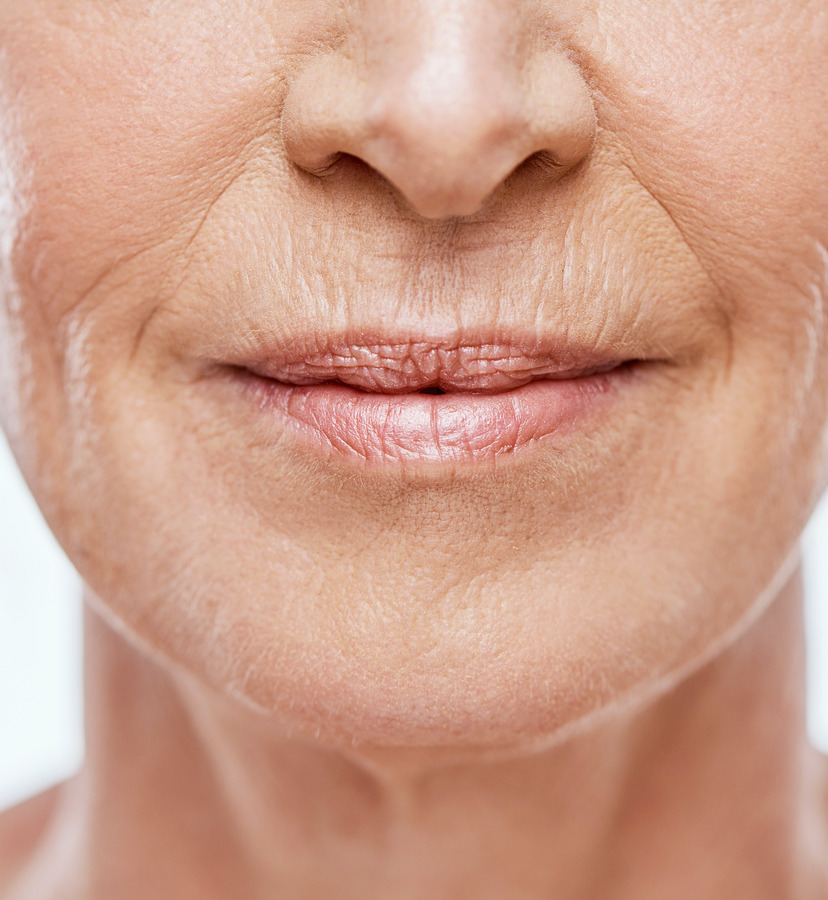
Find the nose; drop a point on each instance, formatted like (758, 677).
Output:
(444, 99)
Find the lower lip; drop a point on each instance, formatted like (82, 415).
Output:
(432, 428)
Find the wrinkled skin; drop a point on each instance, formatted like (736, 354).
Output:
(171, 185)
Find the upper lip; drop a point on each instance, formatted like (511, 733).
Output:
(382, 364)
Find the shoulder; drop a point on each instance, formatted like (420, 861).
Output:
(21, 829)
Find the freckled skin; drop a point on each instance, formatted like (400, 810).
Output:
(181, 178)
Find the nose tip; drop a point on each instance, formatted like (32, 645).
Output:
(445, 132)
(448, 158)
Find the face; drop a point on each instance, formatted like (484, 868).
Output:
(245, 247)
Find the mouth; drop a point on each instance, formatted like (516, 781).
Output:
(430, 400)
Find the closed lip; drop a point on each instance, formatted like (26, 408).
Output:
(390, 399)
(411, 365)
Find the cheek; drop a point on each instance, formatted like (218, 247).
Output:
(737, 152)
(110, 161)
(117, 154)
(737, 157)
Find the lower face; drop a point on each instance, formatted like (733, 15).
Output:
(435, 562)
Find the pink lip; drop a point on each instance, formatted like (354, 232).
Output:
(408, 366)
(450, 427)
(428, 401)
(447, 427)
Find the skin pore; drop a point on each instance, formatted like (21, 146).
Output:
(570, 669)
(639, 807)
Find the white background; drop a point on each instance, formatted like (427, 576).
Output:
(40, 644)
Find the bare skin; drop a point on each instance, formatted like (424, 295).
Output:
(537, 634)
(637, 808)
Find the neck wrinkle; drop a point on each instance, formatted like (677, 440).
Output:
(691, 797)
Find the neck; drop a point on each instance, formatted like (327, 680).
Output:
(709, 792)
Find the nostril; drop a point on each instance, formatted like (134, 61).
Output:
(326, 165)
(444, 113)
(545, 161)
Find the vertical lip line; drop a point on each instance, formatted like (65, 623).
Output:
(490, 364)
(379, 428)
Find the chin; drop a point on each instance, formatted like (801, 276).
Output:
(506, 675)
